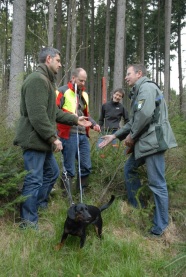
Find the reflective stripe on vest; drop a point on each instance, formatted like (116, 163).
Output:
(70, 103)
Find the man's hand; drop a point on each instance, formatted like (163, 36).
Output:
(129, 141)
(57, 145)
(106, 140)
(97, 128)
(83, 122)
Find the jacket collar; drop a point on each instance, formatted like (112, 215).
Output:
(136, 87)
(114, 103)
(140, 82)
(43, 69)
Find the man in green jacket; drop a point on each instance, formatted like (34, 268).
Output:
(36, 134)
(149, 134)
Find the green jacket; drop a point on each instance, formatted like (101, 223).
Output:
(37, 124)
(149, 126)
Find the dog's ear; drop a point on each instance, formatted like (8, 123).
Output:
(71, 212)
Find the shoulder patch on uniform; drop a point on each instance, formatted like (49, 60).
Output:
(140, 104)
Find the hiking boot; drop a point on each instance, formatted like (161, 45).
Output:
(152, 235)
(28, 225)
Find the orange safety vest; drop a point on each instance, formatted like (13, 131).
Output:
(70, 105)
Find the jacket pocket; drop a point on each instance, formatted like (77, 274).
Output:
(160, 137)
(148, 141)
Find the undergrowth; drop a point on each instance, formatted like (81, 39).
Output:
(125, 250)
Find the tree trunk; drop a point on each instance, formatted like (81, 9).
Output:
(158, 45)
(5, 68)
(73, 36)
(168, 5)
(67, 56)
(107, 41)
(98, 98)
(182, 109)
(142, 44)
(51, 22)
(92, 93)
(82, 41)
(59, 37)
(17, 60)
(119, 44)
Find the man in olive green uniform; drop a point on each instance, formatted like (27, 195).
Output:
(36, 134)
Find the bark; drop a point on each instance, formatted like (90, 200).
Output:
(168, 6)
(51, 22)
(17, 60)
(67, 56)
(82, 41)
(107, 41)
(73, 36)
(4, 67)
(119, 44)
(158, 46)
(98, 98)
(142, 44)
(92, 96)
(180, 76)
(59, 37)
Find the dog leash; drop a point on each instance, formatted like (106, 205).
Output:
(65, 180)
(79, 168)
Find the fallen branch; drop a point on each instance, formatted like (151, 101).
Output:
(110, 183)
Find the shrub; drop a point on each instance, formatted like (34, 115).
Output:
(11, 178)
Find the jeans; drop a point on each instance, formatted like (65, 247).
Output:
(70, 154)
(43, 171)
(155, 165)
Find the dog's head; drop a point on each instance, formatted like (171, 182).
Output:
(79, 212)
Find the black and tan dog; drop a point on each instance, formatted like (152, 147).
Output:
(79, 216)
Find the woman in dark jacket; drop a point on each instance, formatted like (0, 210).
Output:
(111, 114)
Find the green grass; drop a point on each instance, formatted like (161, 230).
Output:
(123, 250)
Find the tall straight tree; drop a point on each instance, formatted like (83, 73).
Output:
(4, 67)
(107, 42)
(142, 43)
(59, 36)
(158, 45)
(67, 56)
(73, 36)
(17, 60)
(92, 94)
(82, 13)
(119, 44)
(182, 103)
(168, 7)
(51, 12)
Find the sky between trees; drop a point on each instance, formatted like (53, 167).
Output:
(174, 64)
